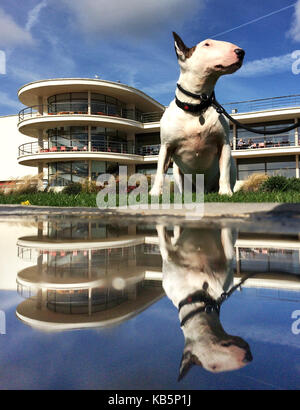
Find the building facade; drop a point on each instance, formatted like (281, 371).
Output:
(77, 129)
(270, 154)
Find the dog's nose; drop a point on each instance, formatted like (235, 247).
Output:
(240, 53)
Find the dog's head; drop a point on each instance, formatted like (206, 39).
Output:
(230, 353)
(209, 58)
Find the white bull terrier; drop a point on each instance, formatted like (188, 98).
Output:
(192, 133)
(197, 269)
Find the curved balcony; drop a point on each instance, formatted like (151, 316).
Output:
(257, 146)
(121, 151)
(30, 93)
(68, 113)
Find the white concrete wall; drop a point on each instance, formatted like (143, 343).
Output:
(10, 264)
(10, 140)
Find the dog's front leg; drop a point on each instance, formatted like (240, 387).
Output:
(162, 166)
(177, 177)
(164, 241)
(224, 165)
(228, 248)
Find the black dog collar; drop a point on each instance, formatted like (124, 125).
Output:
(194, 108)
(210, 305)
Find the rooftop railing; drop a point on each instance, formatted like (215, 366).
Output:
(263, 104)
(75, 108)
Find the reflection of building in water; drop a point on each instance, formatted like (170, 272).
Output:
(258, 255)
(267, 253)
(90, 274)
(275, 259)
(86, 275)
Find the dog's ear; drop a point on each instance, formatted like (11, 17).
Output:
(182, 51)
(187, 362)
(180, 48)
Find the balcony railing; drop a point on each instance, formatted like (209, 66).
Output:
(276, 141)
(148, 150)
(75, 108)
(127, 147)
(263, 104)
(120, 147)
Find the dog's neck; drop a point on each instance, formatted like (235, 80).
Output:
(203, 326)
(195, 85)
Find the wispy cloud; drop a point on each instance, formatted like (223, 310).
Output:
(7, 101)
(23, 74)
(266, 66)
(11, 34)
(161, 88)
(33, 15)
(136, 18)
(294, 31)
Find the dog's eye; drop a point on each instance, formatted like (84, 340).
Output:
(207, 44)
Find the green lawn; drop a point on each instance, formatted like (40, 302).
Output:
(89, 199)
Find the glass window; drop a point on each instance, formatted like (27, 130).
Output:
(111, 100)
(98, 168)
(63, 97)
(79, 96)
(112, 167)
(285, 166)
(62, 173)
(246, 139)
(97, 97)
(79, 171)
(69, 137)
(52, 168)
(64, 167)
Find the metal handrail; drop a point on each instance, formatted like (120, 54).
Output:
(148, 150)
(122, 147)
(247, 141)
(263, 104)
(127, 147)
(151, 117)
(97, 108)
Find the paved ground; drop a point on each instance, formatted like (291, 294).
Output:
(211, 209)
(252, 217)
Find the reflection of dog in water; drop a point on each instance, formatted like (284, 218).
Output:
(197, 269)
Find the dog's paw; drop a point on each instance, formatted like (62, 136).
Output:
(225, 191)
(155, 191)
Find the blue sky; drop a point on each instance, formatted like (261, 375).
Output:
(131, 41)
(145, 351)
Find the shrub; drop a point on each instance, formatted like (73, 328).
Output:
(253, 182)
(275, 183)
(28, 184)
(73, 188)
(294, 184)
(91, 187)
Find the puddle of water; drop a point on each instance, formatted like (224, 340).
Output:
(94, 304)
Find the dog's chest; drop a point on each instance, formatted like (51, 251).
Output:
(199, 142)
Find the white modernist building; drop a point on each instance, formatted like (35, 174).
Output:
(76, 129)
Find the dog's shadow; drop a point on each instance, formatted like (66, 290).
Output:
(197, 270)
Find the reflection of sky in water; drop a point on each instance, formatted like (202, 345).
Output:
(145, 352)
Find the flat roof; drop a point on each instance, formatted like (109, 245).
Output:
(29, 93)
